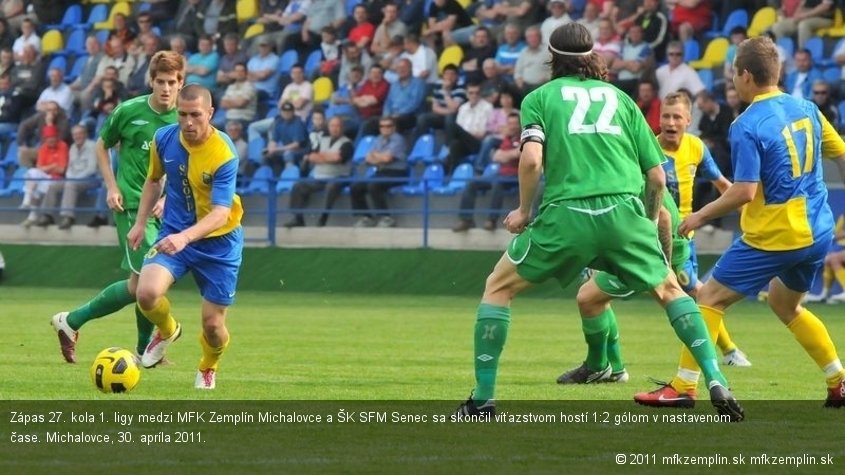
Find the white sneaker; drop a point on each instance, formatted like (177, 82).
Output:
(205, 379)
(155, 351)
(838, 298)
(67, 336)
(387, 222)
(815, 298)
(736, 358)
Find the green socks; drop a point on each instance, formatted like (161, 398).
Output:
(145, 330)
(491, 332)
(614, 349)
(596, 335)
(686, 320)
(109, 300)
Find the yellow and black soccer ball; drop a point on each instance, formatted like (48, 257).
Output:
(115, 371)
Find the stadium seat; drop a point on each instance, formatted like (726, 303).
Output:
(464, 3)
(259, 183)
(815, 46)
(431, 179)
(11, 155)
(837, 30)
(312, 63)
(287, 179)
(52, 42)
(762, 21)
(451, 55)
(254, 30)
(736, 18)
(108, 23)
(841, 115)
(350, 7)
(714, 54)
(362, 148)
(287, 61)
(15, 184)
(76, 69)
(99, 13)
(788, 45)
(692, 50)
(831, 75)
(423, 150)
(255, 150)
(323, 89)
(706, 76)
(145, 7)
(71, 18)
(102, 37)
(246, 10)
(576, 8)
(75, 45)
(58, 62)
(458, 181)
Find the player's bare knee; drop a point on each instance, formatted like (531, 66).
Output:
(591, 300)
(147, 297)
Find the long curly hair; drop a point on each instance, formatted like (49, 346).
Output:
(574, 38)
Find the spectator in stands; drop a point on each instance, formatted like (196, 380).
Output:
(634, 60)
(119, 58)
(447, 96)
(331, 50)
(288, 140)
(655, 28)
(217, 18)
(6, 37)
(80, 177)
(299, 93)
(144, 24)
(28, 76)
(121, 31)
(83, 86)
(649, 104)
(507, 156)
(370, 97)
(232, 55)
(444, 16)
(810, 16)
(202, 65)
(50, 165)
(319, 14)
(423, 59)
(799, 83)
(497, 126)
(404, 101)
(822, 97)
(31, 130)
(390, 27)
(362, 32)
(105, 99)
(606, 44)
(389, 155)
(737, 36)
(240, 99)
(28, 37)
(7, 61)
(49, 11)
(188, 23)
(14, 12)
(509, 51)
(521, 13)
(11, 108)
(163, 10)
(532, 67)
(624, 14)
(263, 70)
(733, 101)
(354, 56)
(493, 81)
(590, 19)
(316, 129)
(558, 17)
(341, 103)
(713, 129)
(411, 13)
(138, 84)
(677, 74)
(235, 131)
(690, 18)
(464, 137)
(57, 91)
(331, 161)
(482, 47)
(178, 44)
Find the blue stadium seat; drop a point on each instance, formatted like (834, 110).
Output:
(788, 45)
(841, 115)
(287, 179)
(145, 7)
(76, 69)
(736, 18)
(350, 7)
(423, 150)
(102, 37)
(11, 156)
(75, 45)
(706, 76)
(16, 184)
(99, 13)
(362, 148)
(816, 47)
(431, 179)
(255, 150)
(312, 63)
(288, 59)
(259, 183)
(58, 62)
(692, 50)
(458, 181)
(576, 8)
(71, 18)
(831, 76)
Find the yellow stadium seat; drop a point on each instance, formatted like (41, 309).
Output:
(837, 29)
(465, 3)
(52, 41)
(253, 30)
(762, 21)
(246, 10)
(119, 7)
(451, 55)
(323, 90)
(714, 54)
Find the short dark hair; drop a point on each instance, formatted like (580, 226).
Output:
(192, 92)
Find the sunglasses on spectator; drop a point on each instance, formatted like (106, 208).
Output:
(385, 125)
(820, 92)
(674, 53)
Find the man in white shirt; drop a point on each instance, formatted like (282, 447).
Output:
(423, 59)
(57, 92)
(28, 38)
(677, 75)
(464, 137)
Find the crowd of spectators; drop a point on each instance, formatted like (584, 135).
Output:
(320, 76)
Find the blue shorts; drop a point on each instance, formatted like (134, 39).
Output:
(687, 273)
(747, 270)
(214, 263)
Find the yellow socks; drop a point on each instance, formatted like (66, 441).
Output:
(813, 336)
(210, 354)
(688, 371)
(723, 340)
(161, 317)
(840, 277)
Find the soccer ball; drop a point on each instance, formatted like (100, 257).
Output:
(115, 371)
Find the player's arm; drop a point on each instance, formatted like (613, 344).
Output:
(114, 199)
(222, 196)
(655, 186)
(833, 147)
(721, 184)
(736, 196)
(664, 232)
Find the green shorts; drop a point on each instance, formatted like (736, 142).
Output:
(609, 233)
(132, 260)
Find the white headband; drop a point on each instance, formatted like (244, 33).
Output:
(570, 53)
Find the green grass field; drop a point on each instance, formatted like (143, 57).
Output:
(296, 348)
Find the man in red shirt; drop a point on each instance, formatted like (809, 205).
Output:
(649, 104)
(362, 33)
(370, 96)
(51, 165)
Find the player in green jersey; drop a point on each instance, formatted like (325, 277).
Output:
(131, 126)
(594, 146)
